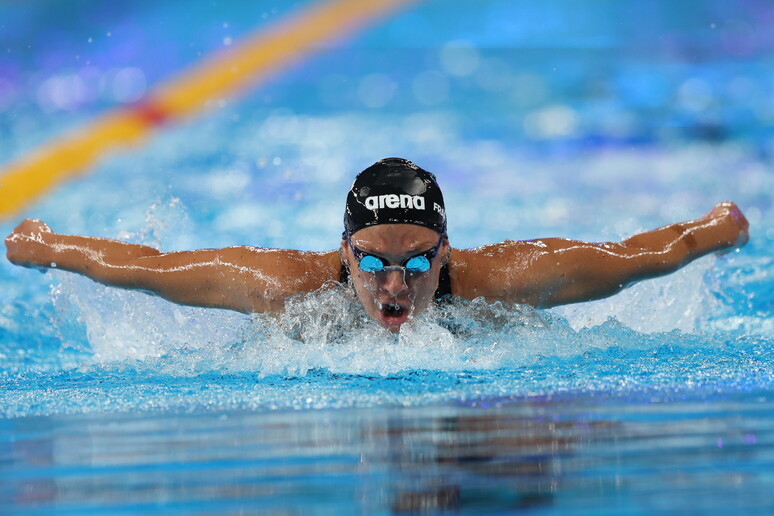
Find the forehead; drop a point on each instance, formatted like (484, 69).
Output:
(395, 238)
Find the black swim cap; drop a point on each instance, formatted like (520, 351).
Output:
(394, 191)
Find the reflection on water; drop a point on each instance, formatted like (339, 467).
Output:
(571, 455)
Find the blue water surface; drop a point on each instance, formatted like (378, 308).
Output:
(539, 120)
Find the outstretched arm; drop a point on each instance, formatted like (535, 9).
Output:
(555, 271)
(245, 279)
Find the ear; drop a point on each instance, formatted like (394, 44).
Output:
(343, 249)
(446, 250)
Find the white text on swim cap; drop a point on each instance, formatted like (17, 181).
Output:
(416, 202)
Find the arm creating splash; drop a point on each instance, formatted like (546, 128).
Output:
(245, 279)
(556, 271)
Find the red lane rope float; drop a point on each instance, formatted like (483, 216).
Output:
(218, 76)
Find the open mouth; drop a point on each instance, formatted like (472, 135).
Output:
(393, 314)
(392, 310)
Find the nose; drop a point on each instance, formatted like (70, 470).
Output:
(395, 282)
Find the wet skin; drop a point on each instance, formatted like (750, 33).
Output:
(543, 273)
(391, 298)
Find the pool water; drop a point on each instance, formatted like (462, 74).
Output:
(657, 400)
(577, 453)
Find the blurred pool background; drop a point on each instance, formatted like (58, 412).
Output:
(589, 120)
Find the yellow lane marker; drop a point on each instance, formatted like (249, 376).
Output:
(217, 77)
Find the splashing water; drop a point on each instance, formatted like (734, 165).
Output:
(102, 349)
(142, 353)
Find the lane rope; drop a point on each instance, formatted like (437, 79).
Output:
(218, 76)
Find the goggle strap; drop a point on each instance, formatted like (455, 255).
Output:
(427, 255)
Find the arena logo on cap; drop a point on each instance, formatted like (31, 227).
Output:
(416, 202)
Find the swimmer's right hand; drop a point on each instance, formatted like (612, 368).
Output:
(25, 245)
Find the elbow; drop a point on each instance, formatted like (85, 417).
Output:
(266, 301)
(636, 263)
(581, 291)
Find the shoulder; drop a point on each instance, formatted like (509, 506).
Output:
(496, 271)
(499, 254)
(294, 270)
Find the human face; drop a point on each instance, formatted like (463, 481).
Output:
(393, 296)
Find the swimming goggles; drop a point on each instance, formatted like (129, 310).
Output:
(417, 264)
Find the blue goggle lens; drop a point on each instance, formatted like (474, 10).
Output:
(416, 264)
(371, 264)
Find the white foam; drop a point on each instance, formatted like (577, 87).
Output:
(326, 330)
(680, 301)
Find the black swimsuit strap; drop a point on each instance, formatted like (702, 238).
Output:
(444, 284)
(444, 281)
(344, 274)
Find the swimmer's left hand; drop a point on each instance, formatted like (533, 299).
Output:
(729, 218)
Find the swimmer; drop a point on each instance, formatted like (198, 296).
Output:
(395, 253)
